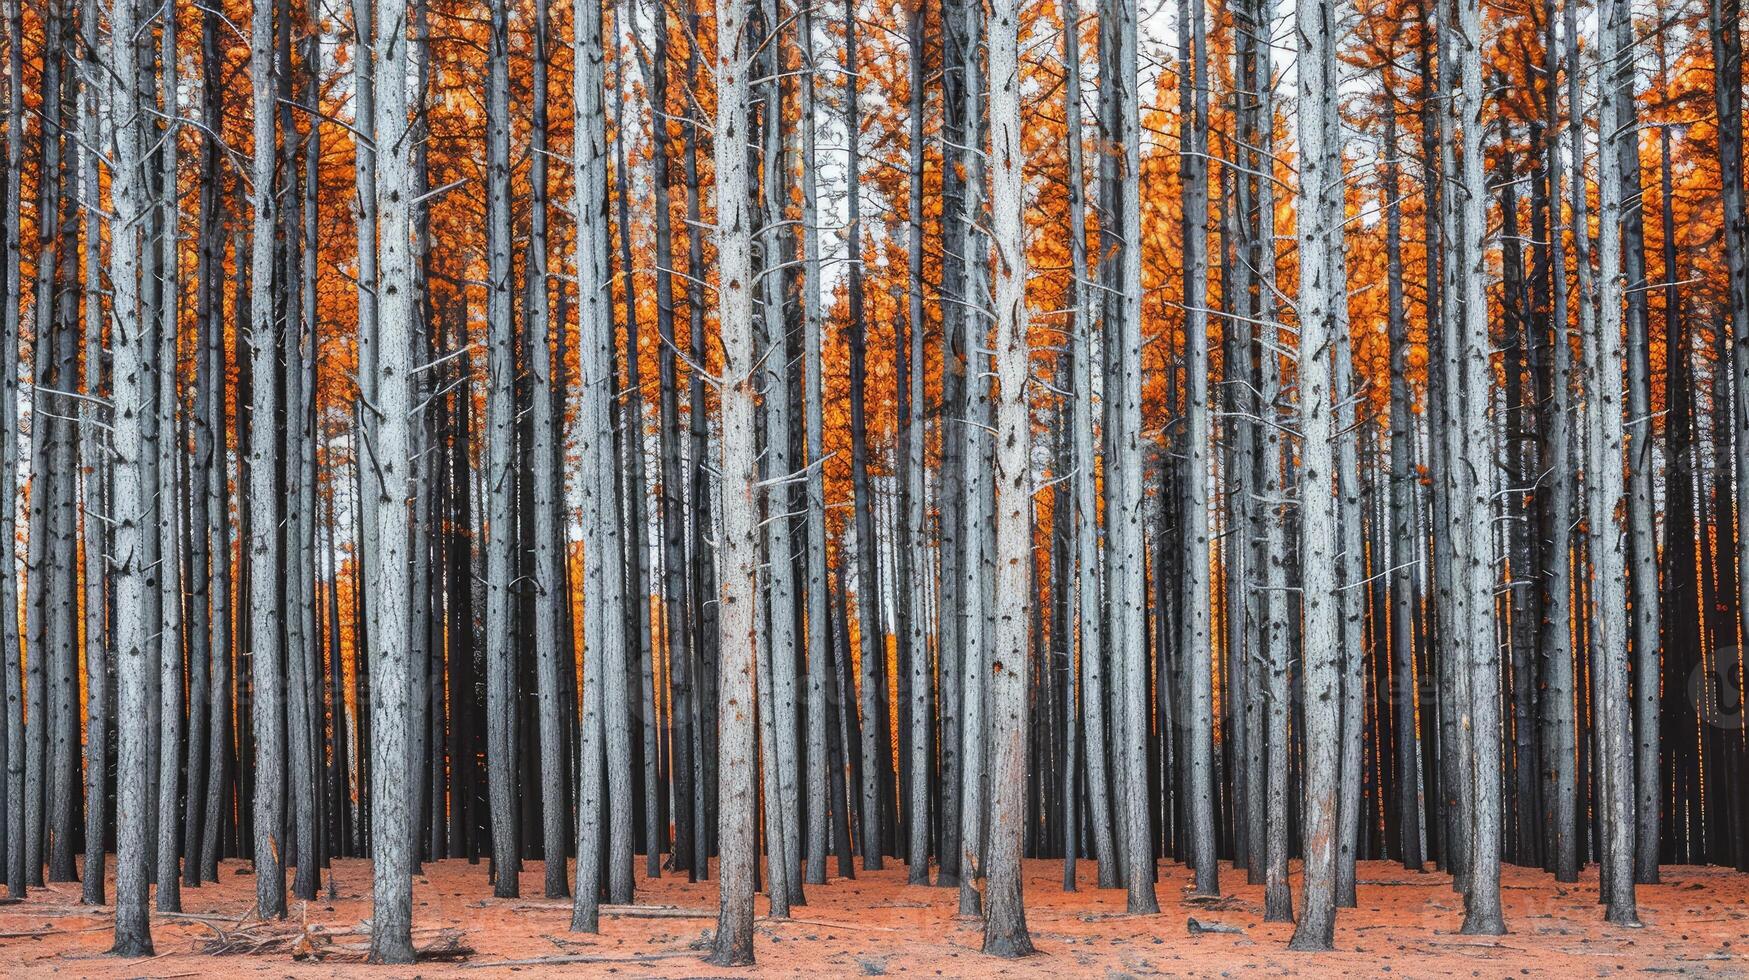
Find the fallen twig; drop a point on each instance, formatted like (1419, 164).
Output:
(582, 958)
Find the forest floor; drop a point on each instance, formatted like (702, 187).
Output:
(1697, 923)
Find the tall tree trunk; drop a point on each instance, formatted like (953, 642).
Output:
(1407, 686)
(739, 529)
(1554, 638)
(169, 572)
(389, 445)
(1127, 597)
(821, 809)
(1196, 639)
(1474, 475)
(551, 594)
(133, 365)
(784, 835)
(1642, 501)
(1606, 506)
(265, 627)
(10, 358)
(1090, 662)
(1005, 932)
(677, 621)
(915, 540)
(1320, 246)
(876, 758)
(1725, 29)
(99, 695)
(501, 693)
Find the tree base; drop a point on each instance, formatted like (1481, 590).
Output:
(971, 903)
(1625, 916)
(1278, 905)
(1304, 942)
(1143, 903)
(1492, 924)
(388, 950)
(731, 953)
(132, 946)
(1008, 943)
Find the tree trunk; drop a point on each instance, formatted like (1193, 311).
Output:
(1087, 612)
(1005, 931)
(1196, 640)
(388, 446)
(99, 695)
(1127, 596)
(10, 358)
(265, 626)
(133, 364)
(821, 811)
(1606, 506)
(501, 693)
(915, 539)
(1473, 473)
(739, 529)
(1318, 217)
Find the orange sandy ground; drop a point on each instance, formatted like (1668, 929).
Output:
(1697, 923)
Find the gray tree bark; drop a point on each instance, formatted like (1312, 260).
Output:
(739, 528)
(9, 357)
(265, 623)
(1474, 473)
(819, 657)
(1005, 932)
(501, 693)
(1605, 498)
(1127, 599)
(1090, 650)
(133, 367)
(1320, 246)
(388, 449)
(1554, 631)
(1196, 638)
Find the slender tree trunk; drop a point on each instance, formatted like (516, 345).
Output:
(10, 359)
(1606, 510)
(1090, 666)
(133, 366)
(738, 533)
(265, 627)
(821, 810)
(1475, 479)
(876, 758)
(1005, 932)
(169, 572)
(601, 613)
(388, 446)
(1642, 502)
(1196, 639)
(915, 539)
(501, 694)
(1724, 22)
(1320, 246)
(1402, 551)
(1127, 599)
(95, 459)
(1554, 631)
